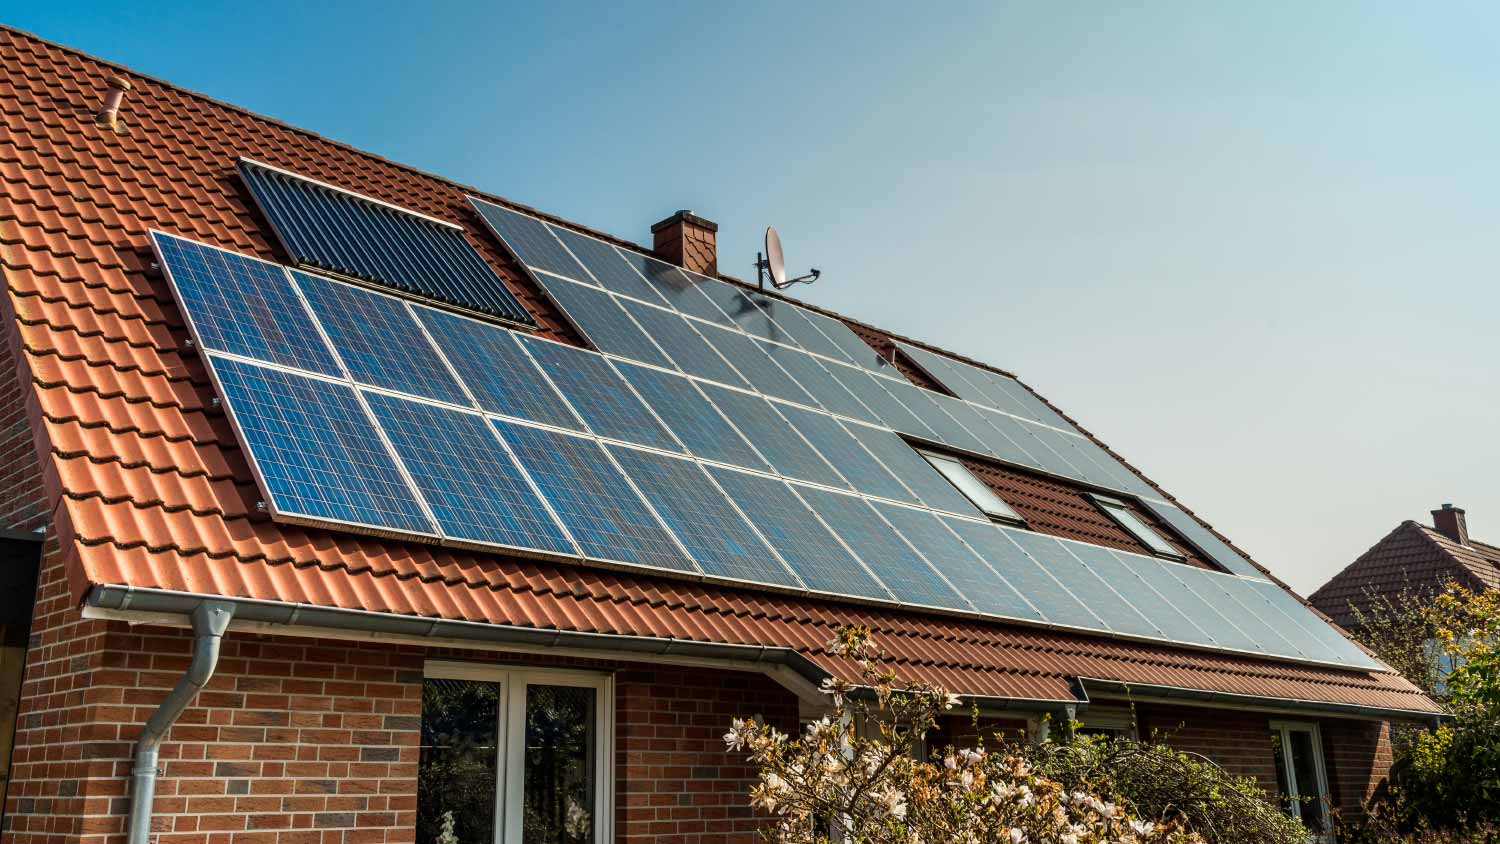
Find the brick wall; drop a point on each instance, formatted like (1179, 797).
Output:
(22, 502)
(1238, 742)
(1358, 756)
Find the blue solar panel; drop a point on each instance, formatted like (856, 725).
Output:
(757, 367)
(501, 377)
(378, 340)
(726, 298)
(797, 535)
(815, 380)
(1204, 540)
(1088, 587)
(1023, 573)
(996, 442)
(1214, 589)
(529, 240)
(1034, 438)
(242, 305)
(468, 480)
(1121, 478)
(839, 448)
(683, 344)
(361, 238)
(1017, 433)
(1034, 407)
(927, 407)
(689, 415)
(316, 451)
(607, 266)
(902, 570)
(966, 570)
(795, 322)
(599, 395)
(888, 410)
(1134, 591)
(944, 370)
(771, 436)
(844, 337)
(679, 289)
(603, 321)
(1336, 646)
(1217, 630)
(930, 487)
(703, 518)
(593, 499)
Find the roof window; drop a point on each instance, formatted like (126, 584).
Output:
(973, 488)
(1136, 526)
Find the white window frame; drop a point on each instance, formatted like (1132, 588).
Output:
(1116, 719)
(511, 766)
(1283, 730)
(1120, 513)
(971, 487)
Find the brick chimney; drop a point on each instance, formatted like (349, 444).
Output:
(689, 241)
(1449, 521)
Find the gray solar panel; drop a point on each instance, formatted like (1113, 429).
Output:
(1217, 590)
(600, 396)
(378, 339)
(470, 483)
(696, 422)
(676, 287)
(316, 451)
(601, 319)
(503, 378)
(242, 305)
(753, 363)
(997, 443)
(1204, 540)
(966, 570)
(929, 486)
(844, 453)
(843, 336)
(1320, 635)
(682, 342)
(925, 405)
(607, 266)
(769, 433)
(798, 536)
(1135, 591)
(817, 382)
(596, 503)
(1084, 583)
(1025, 574)
(871, 391)
(703, 518)
(883, 551)
(529, 240)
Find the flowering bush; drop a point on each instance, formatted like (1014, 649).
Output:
(868, 786)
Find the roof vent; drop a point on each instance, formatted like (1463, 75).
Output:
(108, 116)
(1450, 522)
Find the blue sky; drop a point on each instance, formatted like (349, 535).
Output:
(1251, 246)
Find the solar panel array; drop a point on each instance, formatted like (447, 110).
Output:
(436, 426)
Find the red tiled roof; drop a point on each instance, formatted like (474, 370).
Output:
(150, 489)
(1414, 558)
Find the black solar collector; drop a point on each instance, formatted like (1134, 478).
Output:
(331, 229)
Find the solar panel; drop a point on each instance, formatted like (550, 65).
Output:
(378, 340)
(703, 518)
(887, 408)
(1024, 574)
(606, 265)
(726, 298)
(796, 323)
(1122, 477)
(602, 320)
(754, 317)
(943, 370)
(242, 305)
(1035, 408)
(699, 426)
(1217, 591)
(529, 240)
(755, 365)
(966, 570)
(769, 433)
(926, 407)
(1060, 453)
(1204, 540)
(1136, 592)
(928, 485)
(676, 287)
(1015, 432)
(1309, 624)
(315, 450)
(1217, 630)
(795, 532)
(470, 483)
(501, 376)
(844, 453)
(996, 442)
(1088, 587)
(687, 348)
(596, 503)
(332, 229)
(816, 382)
(599, 395)
(844, 337)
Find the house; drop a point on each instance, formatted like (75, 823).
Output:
(476, 512)
(1412, 559)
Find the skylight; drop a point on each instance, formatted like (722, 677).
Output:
(1136, 526)
(973, 488)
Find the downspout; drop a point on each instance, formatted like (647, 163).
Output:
(210, 619)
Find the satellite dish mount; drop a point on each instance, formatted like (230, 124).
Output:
(773, 263)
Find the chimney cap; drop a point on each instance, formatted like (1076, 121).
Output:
(686, 216)
(119, 83)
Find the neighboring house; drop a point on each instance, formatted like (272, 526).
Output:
(1413, 558)
(426, 551)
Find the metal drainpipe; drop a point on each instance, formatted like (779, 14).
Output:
(210, 619)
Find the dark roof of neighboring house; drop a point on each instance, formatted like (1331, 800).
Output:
(149, 488)
(1413, 557)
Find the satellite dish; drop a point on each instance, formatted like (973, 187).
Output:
(775, 260)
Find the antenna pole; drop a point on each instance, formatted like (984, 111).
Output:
(760, 270)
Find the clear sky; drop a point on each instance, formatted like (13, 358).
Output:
(1252, 246)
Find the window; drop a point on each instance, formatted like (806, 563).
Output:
(1300, 776)
(515, 757)
(1136, 526)
(973, 488)
(1109, 722)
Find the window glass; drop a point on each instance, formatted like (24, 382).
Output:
(1300, 779)
(559, 776)
(973, 488)
(1137, 527)
(459, 757)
